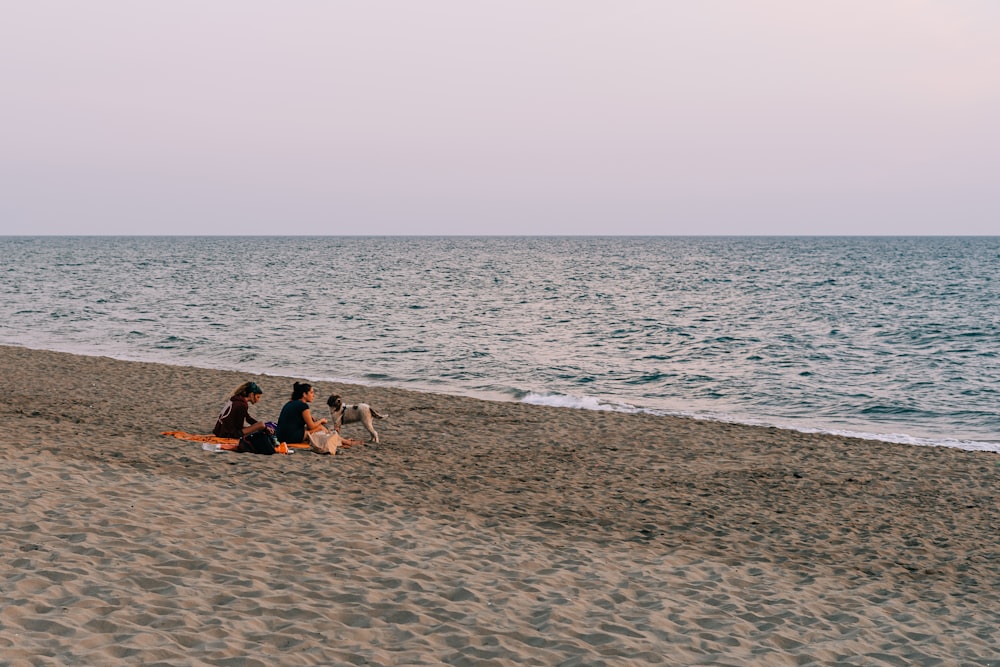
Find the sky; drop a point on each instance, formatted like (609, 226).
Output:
(510, 117)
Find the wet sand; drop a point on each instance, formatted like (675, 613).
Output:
(477, 533)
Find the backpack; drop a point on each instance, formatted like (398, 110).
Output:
(258, 442)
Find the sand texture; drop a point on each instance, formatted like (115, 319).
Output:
(477, 533)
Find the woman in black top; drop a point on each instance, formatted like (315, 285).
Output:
(295, 420)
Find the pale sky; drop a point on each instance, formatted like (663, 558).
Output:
(500, 117)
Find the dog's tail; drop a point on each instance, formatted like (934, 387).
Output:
(375, 414)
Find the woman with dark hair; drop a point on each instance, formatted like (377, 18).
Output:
(236, 412)
(295, 420)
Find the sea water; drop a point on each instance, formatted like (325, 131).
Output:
(890, 338)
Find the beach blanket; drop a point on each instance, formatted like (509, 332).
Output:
(198, 437)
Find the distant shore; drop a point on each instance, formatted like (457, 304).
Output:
(478, 532)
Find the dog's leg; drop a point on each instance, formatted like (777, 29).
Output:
(366, 420)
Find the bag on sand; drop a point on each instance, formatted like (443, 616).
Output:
(324, 442)
(258, 442)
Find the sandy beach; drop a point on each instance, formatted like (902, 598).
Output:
(476, 533)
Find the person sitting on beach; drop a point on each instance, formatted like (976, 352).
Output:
(295, 420)
(236, 412)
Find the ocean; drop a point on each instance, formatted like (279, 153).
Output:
(887, 338)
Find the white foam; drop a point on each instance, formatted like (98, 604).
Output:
(576, 402)
(592, 403)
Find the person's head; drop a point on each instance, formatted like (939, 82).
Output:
(248, 390)
(303, 391)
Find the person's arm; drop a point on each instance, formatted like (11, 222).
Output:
(253, 428)
(254, 425)
(311, 424)
(242, 415)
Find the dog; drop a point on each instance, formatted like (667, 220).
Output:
(350, 414)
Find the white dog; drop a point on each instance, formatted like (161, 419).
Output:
(349, 414)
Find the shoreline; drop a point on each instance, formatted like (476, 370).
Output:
(477, 532)
(892, 438)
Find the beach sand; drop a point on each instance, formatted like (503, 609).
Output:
(477, 533)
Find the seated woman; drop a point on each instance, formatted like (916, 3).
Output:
(295, 422)
(236, 412)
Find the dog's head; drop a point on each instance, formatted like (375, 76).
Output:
(334, 401)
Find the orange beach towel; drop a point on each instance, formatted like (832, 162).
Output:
(197, 437)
